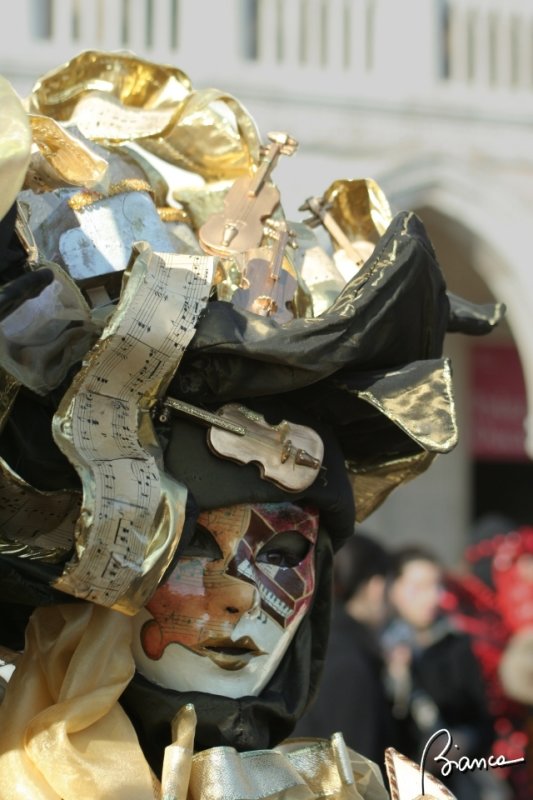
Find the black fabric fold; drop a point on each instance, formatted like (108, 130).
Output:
(474, 319)
(394, 311)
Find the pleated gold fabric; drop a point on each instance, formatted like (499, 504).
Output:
(298, 769)
(63, 735)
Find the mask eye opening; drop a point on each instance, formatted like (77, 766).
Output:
(286, 549)
(202, 544)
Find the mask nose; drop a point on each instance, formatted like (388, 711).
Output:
(239, 598)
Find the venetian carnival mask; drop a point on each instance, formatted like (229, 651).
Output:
(223, 620)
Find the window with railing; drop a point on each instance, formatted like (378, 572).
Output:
(443, 38)
(130, 21)
(304, 32)
(487, 43)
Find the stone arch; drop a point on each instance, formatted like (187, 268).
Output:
(492, 210)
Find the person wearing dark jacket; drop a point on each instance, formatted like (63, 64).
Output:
(433, 676)
(351, 697)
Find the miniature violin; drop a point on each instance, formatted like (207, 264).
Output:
(287, 454)
(267, 288)
(319, 208)
(249, 201)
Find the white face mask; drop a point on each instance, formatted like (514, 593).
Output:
(225, 617)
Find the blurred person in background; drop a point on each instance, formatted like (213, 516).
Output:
(352, 698)
(433, 677)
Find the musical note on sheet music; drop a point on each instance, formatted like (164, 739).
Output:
(103, 426)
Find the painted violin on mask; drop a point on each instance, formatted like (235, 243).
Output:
(267, 287)
(249, 201)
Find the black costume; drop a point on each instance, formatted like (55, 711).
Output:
(351, 697)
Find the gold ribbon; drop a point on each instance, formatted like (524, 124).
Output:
(88, 197)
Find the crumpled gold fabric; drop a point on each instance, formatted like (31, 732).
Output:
(60, 159)
(133, 81)
(64, 736)
(115, 97)
(360, 207)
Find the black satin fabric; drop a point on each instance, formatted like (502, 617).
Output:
(389, 321)
(385, 330)
(247, 723)
(394, 311)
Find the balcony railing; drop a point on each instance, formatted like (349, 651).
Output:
(447, 53)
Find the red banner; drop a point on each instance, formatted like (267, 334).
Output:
(498, 403)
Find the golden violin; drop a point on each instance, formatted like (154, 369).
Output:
(267, 288)
(249, 201)
(320, 210)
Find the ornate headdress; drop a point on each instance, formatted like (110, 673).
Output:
(165, 351)
(367, 370)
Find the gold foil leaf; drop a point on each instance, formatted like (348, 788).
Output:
(133, 81)
(61, 158)
(372, 485)
(213, 136)
(360, 208)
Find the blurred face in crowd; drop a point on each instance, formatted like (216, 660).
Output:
(376, 600)
(415, 594)
(369, 603)
(224, 618)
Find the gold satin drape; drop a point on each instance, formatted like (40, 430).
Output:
(63, 735)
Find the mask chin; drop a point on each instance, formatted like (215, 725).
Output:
(223, 670)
